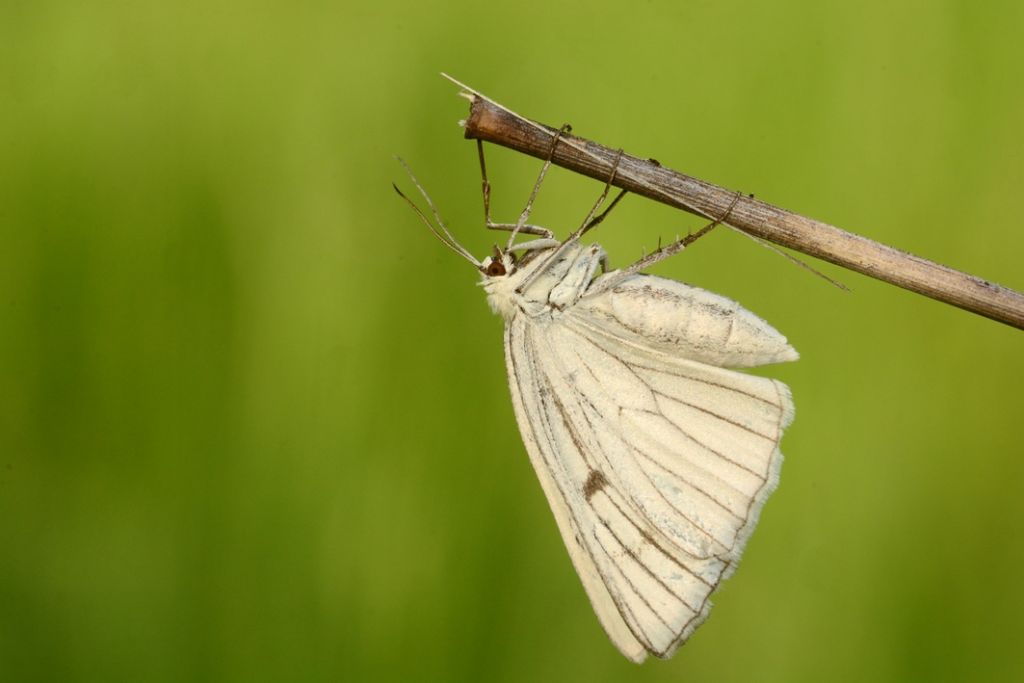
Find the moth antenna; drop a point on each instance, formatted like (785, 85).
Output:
(450, 242)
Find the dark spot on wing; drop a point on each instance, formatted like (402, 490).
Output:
(595, 482)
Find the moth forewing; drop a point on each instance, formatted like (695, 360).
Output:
(597, 591)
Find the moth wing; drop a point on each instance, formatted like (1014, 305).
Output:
(693, 446)
(656, 467)
(683, 320)
(521, 368)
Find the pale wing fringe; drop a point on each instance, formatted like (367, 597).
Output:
(648, 555)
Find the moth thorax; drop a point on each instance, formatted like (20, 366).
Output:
(501, 295)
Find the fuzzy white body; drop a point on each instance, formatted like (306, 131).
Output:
(655, 458)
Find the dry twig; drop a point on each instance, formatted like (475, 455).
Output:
(491, 122)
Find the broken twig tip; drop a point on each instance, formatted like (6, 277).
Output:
(459, 83)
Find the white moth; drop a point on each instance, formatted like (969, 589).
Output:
(655, 457)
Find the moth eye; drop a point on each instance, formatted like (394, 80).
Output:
(495, 268)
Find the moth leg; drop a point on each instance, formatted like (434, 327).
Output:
(600, 217)
(662, 253)
(536, 186)
(526, 228)
(537, 244)
(589, 222)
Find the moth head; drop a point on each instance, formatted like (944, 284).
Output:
(500, 264)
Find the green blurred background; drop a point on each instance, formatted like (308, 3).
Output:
(253, 419)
